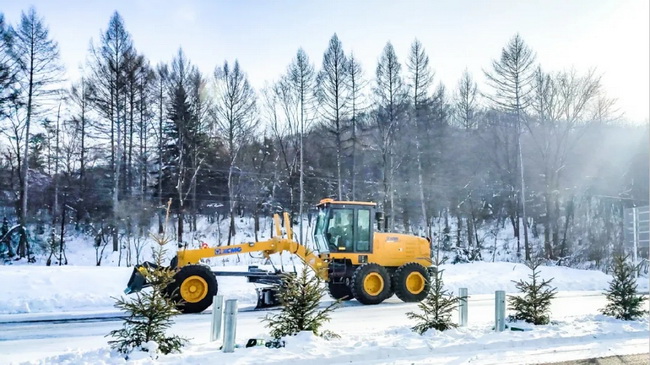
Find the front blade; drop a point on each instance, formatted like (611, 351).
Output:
(138, 280)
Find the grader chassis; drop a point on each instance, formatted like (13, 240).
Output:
(353, 258)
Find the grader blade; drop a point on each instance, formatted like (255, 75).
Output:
(138, 279)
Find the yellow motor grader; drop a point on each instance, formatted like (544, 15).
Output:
(354, 259)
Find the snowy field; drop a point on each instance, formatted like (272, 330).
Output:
(369, 334)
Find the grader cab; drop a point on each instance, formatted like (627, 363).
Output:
(357, 261)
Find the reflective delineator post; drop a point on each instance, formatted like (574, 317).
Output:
(635, 234)
(499, 310)
(217, 318)
(462, 307)
(230, 325)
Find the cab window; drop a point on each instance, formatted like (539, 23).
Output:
(340, 235)
(362, 233)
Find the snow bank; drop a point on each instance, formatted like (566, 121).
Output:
(486, 277)
(582, 337)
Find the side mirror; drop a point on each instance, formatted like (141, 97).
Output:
(379, 218)
(311, 213)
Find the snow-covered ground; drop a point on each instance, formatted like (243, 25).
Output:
(57, 289)
(369, 334)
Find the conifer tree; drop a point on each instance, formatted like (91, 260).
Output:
(150, 312)
(534, 306)
(300, 295)
(437, 307)
(623, 301)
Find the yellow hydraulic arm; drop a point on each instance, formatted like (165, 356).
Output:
(274, 245)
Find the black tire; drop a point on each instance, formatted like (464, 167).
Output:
(339, 291)
(193, 288)
(371, 284)
(411, 282)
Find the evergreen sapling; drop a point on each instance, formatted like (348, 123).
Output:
(300, 295)
(436, 309)
(623, 300)
(150, 312)
(534, 305)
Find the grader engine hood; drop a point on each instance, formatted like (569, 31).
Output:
(394, 248)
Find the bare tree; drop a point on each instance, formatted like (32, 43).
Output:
(38, 72)
(605, 110)
(301, 77)
(108, 64)
(390, 94)
(512, 79)
(283, 116)
(357, 85)
(561, 105)
(235, 115)
(201, 106)
(80, 101)
(162, 74)
(333, 97)
(420, 79)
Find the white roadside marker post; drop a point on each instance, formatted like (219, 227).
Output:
(462, 307)
(217, 318)
(499, 310)
(635, 228)
(230, 325)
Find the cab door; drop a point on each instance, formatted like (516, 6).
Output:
(363, 230)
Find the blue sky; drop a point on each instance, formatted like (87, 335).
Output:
(612, 35)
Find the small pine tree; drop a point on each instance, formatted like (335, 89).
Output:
(534, 305)
(623, 301)
(436, 309)
(300, 295)
(150, 312)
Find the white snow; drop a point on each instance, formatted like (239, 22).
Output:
(369, 334)
(40, 289)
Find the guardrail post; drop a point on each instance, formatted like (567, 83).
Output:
(499, 310)
(217, 318)
(462, 307)
(230, 325)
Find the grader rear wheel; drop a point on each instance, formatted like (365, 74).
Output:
(411, 282)
(193, 288)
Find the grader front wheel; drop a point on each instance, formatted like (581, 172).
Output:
(193, 288)
(339, 291)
